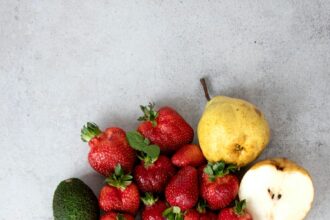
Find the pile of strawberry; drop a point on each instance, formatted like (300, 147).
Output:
(172, 178)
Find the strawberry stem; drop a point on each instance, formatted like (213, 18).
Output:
(149, 199)
(147, 160)
(89, 131)
(219, 169)
(240, 206)
(206, 91)
(120, 217)
(149, 114)
(119, 179)
(201, 206)
(173, 213)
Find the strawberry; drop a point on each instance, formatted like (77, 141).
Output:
(182, 190)
(208, 216)
(153, 209)
(237, 212)
(188, 155)
(200, 213)
(193, 214)
(107, 149)
(120, 194)
(218, 187)
(154, 177)
(154, 171)
(116, 216)
(175, 213)
(165, 127)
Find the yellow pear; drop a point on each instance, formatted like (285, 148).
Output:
(232, 130)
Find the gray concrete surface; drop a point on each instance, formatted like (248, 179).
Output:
(63, 63)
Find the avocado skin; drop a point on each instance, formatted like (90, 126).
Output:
(74, 200)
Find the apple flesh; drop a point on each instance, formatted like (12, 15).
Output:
(277, 189)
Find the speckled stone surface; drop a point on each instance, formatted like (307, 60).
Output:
(63, 63)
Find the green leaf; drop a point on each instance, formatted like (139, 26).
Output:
(232, 168)
(201, 206)
(219, 169)
(118, 170)
(146, 141)
(208, 170)
(147, 160)
(240, 206)
(173, 213)
(135, 140)
(89, 131)
(170, 216)
(176, 209)
(152, 151)
(127, 177)
(139, 143)
(118, 178)
(120, 217)
(154, 123)
(167, 212)
(126, 183)
(218, 166)
(149, 199)
(149, 114)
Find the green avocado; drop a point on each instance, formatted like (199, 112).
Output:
(74, 200)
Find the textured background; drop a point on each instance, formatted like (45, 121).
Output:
(65, 62)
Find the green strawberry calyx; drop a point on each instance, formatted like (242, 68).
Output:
(239, 208)
(219, 169)
(119, 179)
(149, 199)
(120, 217)
(173, 213)
(201, 206)
(148, 152)
(149, 114)
(89, 131)
(147, 160)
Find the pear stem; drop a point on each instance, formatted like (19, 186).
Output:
(206, 92)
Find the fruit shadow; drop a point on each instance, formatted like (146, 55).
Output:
(94, 180)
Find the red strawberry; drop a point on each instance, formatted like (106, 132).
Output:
(154, 171)
(153, 209)
(192, 214)
(116, 216)
(108, 149)
(120, 194)
(235, 213)
(218, 187)
(200, 213)
(165, 127)
(182, 190)
(208, 216)
(154, 177)
(188, 155)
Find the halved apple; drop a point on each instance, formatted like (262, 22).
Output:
(277, 189)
